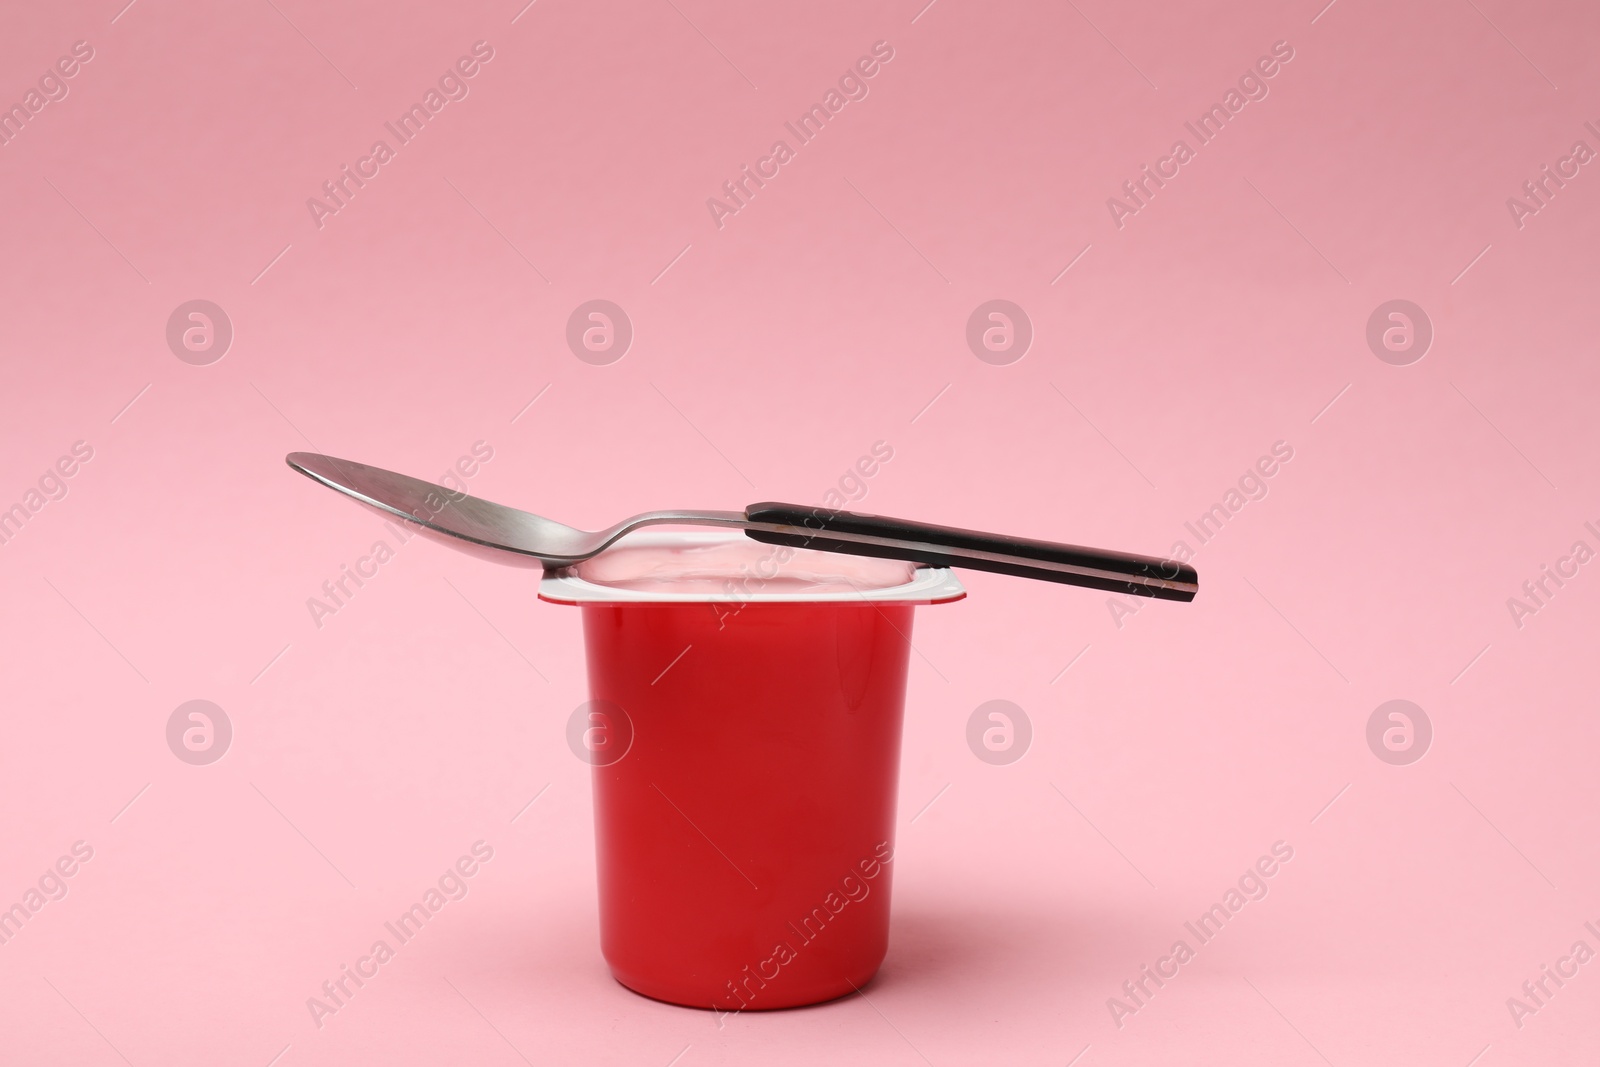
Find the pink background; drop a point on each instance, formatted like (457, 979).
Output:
(825, 316)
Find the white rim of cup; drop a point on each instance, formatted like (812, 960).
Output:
(928, 585)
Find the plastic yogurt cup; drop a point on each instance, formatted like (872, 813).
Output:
(744, 730)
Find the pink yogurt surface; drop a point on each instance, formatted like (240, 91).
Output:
(708, 567)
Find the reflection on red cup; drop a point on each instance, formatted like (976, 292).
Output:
(745, 839)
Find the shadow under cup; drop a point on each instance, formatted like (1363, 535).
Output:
(744, 731)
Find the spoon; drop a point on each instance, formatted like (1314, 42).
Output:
(509, 535)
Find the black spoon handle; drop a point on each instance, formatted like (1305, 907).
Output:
(874, 535)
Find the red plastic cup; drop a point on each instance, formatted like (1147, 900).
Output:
(744, 727)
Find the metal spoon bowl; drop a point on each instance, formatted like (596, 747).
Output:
(483, 522)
